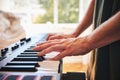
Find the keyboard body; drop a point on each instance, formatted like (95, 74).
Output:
(20, 62)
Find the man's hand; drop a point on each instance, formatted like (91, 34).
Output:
(59, 36)
(66, 47)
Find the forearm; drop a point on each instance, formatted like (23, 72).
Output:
(106, 33)
(87, 20)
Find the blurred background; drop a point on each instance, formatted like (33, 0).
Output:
(51, 16)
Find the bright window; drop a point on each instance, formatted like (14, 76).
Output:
(45, 12)
(68, 11)
(49, 11)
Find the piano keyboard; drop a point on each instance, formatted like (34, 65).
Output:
(20, 62)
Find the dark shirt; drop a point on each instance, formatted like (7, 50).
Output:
(105, 63)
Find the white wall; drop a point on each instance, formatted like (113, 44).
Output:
(6, 5)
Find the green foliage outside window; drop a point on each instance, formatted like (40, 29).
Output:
(68, 11)
(47, 5)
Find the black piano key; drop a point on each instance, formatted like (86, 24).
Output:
(31, 55)
(29, 77)
(28, 59)
(30, 50)
(42, 57)
(28, 55)
(46, 77)
(24, 63)
(19, 68)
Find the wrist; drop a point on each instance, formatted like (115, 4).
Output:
(87, 44)
(90, 43)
